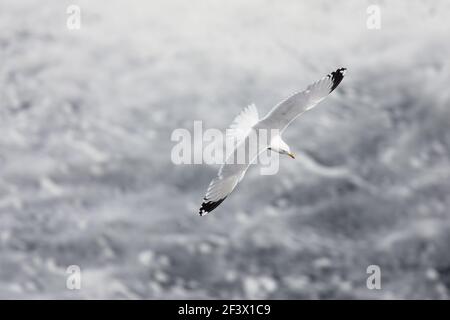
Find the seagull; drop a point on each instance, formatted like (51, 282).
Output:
(248, 122)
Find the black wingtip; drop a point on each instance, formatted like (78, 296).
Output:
(208, 206)
(336, 77)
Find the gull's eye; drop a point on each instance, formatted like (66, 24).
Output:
(269, 148)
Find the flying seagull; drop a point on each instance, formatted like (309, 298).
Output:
(247, 122)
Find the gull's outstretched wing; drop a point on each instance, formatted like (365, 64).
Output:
(243, 124)
(230, 174)
(286, 111)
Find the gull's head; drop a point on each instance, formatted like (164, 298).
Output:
(281, 147)
(287, 152)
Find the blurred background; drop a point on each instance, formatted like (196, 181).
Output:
(86, 176)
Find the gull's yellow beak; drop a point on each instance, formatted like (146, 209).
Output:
(291, 155)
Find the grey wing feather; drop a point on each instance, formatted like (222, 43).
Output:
(286, 111)
(230, 174)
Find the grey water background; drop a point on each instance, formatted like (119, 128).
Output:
(86, 176)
